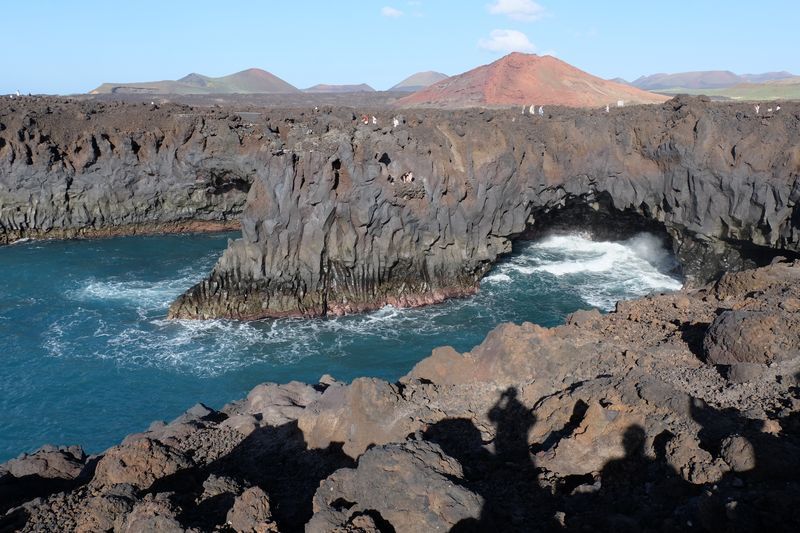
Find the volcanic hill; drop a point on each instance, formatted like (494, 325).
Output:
(250, 81)
(525, 79)
(420, 80)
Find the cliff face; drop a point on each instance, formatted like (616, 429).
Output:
(348, 217)
(85, 169)
(344, 217)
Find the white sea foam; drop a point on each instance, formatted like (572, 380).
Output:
(599, 273)
(143, 294)
(498, 278)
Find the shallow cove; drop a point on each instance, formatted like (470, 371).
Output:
(88, 356)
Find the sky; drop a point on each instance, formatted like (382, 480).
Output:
(72, 46)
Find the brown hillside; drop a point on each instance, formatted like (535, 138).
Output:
(525, 79)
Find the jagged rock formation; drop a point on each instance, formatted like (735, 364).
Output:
(614, 422)
(351, 217)
(417, 82)
(72, 169)
(344, 217)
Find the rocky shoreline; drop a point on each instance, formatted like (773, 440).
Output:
(167, 228)
(677, 412)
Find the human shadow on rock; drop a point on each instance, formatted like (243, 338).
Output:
(506, 478)
(629, 493)
(639, 491)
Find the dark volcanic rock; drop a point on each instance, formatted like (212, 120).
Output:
(39, 474)
(334, 223)
(49, 463)
(343, 217)
(107, 510)
(71, 169)
(155, 514)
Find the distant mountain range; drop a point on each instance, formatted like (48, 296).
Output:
(417, 82)
(516, 79)
(706, 79)
(527, 79)
(248, 81)
(323, 88)
(723, 84)
(253, 81)
(782, 89)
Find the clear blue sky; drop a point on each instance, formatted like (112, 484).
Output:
(60, 46)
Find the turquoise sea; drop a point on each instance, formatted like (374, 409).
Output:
(88, 356)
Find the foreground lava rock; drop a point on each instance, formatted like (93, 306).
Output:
(626, 421)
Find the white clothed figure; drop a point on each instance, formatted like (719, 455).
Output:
(757, 107)
(374, 120)
(607, 108)
(541, 110)
(532, 109)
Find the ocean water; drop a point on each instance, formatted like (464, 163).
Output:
(88, 357)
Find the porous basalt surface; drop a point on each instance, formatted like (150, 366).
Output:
(609, 422)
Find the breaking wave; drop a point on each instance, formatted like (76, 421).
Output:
(541, 282)
(600, 272)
